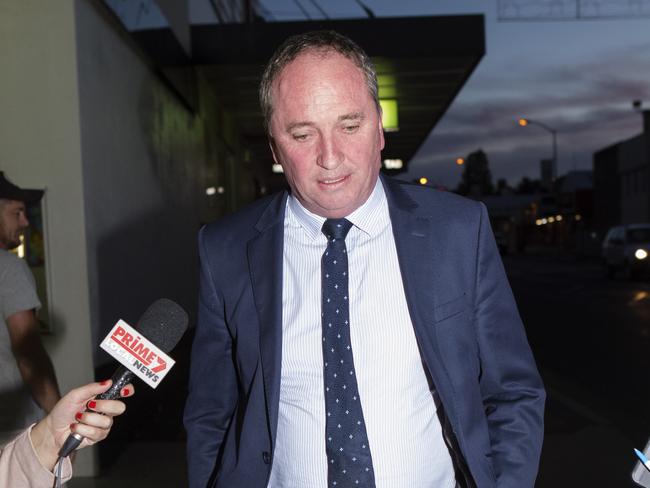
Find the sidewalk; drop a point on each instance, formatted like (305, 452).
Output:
(142, 465)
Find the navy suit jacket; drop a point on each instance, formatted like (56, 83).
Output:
(461, 306)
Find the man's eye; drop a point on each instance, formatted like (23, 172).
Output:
(351, 128)
(300, 137)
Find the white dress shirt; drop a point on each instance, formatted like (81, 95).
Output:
(405, 435)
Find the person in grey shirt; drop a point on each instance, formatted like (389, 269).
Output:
(28, 384)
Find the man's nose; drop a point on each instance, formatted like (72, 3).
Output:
(23, 221)
(330, 155)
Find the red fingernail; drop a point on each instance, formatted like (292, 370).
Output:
(78, 415)
(92, 404)
(72, 426)
(103, 383)
(125, 391)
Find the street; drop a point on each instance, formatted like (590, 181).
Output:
(591, 338)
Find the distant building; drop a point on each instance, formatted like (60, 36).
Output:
(575, 203)
(561, 219)
(622, 181)
(607, 189)
(574, 192)
(546, 173)
(512, 217)
(633, 168)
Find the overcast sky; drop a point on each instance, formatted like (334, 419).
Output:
(577, 76)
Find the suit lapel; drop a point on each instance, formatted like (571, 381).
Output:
(415, 240)
(419, 239)
(265, 266)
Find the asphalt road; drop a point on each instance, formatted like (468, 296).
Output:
(591, 339)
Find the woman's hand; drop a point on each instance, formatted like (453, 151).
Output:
(69, 415)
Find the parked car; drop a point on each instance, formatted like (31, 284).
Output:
(626, 248)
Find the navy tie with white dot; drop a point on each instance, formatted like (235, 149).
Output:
(348, 451)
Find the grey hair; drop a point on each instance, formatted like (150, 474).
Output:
(323, 42)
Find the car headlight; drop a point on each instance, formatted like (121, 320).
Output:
(640, 254)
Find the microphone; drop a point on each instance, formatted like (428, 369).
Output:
(163, 324)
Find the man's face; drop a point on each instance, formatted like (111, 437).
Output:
(13, 221)
(326, 133)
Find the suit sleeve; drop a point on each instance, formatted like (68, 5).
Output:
(213, 383)
(511, 388)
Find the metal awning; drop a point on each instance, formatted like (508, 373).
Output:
(422, 62)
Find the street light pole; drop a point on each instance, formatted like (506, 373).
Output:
(524, 122)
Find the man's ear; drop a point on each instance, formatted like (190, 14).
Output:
(382, 142)
(273, 150)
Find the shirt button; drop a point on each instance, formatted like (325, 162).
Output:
(266, 457)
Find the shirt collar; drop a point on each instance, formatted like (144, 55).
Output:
(370, 218)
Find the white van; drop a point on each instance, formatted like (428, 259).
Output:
(626, 248)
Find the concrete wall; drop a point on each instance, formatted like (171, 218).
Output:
(40, 148)
(147, 160)
(143, 163)
(125, 165)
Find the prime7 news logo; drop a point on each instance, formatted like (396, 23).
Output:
(137, 353)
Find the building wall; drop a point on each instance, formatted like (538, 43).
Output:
(40, 148)
(635, 178)
(125, 164)
(607, 189)
(144, 166)
(147, 160)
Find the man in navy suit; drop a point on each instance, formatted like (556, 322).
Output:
(437, 386)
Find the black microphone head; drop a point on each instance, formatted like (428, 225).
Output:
(163, 323)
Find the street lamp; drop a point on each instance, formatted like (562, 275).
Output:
(524, 122)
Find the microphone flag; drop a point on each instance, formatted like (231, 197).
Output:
(137, 353)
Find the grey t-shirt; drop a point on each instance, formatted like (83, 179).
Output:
(17, 293)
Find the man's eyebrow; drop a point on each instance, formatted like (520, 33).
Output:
(353, 116)
(298, 125)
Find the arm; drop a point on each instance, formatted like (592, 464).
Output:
(31, 358)
(21, 468)
(213, 389)
(512, 390)
(28, 461)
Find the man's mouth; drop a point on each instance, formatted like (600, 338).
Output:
(331, 182)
